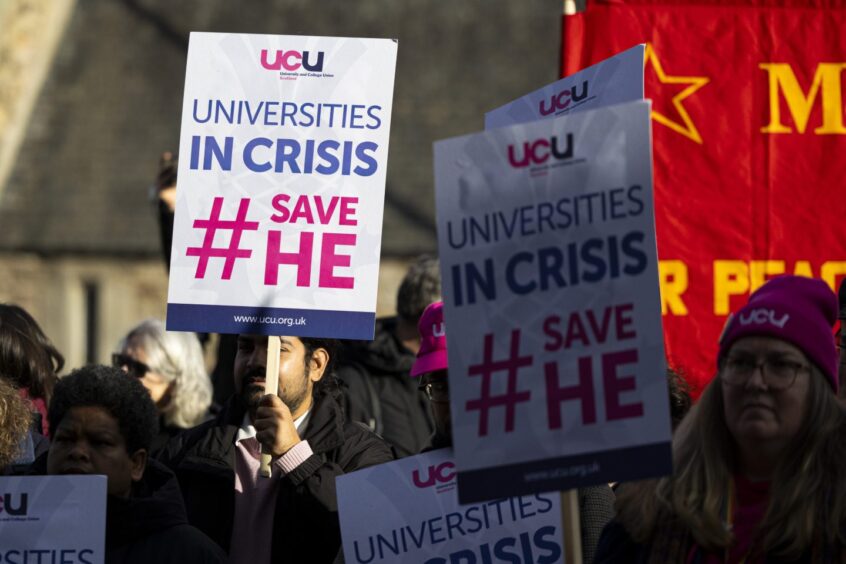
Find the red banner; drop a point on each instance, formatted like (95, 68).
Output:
(750, 148)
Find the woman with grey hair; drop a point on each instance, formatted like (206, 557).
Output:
(170, 365)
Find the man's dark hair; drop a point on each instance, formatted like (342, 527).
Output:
(122, 395)
(420, 287)
(311, 344)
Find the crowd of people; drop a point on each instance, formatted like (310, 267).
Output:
(757, 459)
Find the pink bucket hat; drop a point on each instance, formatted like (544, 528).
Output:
(432, 355)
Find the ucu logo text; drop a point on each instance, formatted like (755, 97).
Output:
(539, 151)
(292, 60)
(443, 473)
(560, 101)
(7, 505)
(762, 316)
(438, 330)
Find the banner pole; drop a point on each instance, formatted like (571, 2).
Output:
(271, 386)
(572, 527)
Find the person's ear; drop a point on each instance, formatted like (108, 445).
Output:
(138, 462)
(317, 364)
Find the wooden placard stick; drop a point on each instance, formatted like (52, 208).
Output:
(271, 386)
(572, 527)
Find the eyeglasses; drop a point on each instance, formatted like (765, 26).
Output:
(130, 365)
(436, 391)
(777, 373)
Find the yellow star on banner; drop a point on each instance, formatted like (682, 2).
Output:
(686, 127)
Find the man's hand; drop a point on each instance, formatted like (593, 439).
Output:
(166, 180)
(274, 425)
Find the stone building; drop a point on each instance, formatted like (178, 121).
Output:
(91, 94)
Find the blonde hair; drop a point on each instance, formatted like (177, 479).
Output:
(807, 496)
(178, 358)
(15, 421)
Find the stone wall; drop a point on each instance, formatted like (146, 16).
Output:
(29, 34)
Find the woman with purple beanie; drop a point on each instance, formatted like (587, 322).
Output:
(759, 461)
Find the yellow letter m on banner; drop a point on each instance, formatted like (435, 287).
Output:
(827, 77)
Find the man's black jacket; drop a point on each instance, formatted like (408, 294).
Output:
(305, 527)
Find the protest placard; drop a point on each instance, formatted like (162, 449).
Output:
(407, 511)
(552, 311)
(59, 519)
(615, 80)
(283, 157)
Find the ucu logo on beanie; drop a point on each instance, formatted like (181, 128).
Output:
(763, 316)
(438, 330)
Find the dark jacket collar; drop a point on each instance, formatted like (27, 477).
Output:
(325, 429)
(155, 505)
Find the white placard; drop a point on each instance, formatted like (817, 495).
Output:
(552, 310)
(59, 519)
(407, 511)
(613, 81)
(281, 185)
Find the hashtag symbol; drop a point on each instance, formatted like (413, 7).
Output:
(230, 253)
(486, 369)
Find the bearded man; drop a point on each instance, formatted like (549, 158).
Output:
(293, 515)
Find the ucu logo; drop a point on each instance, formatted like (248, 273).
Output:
(292, 60)
(438, 330)
(7, 505)
(443, 473)
(539, 151)
(762, 316)
(560, 101)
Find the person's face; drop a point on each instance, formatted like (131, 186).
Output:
(297, 375)
(435, 385)
(756, 411)
(155, 383)
(88, 441)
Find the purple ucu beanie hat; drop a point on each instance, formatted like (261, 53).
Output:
(799, 310)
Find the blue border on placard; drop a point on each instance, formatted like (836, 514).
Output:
(316, 323)
(621, 465)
